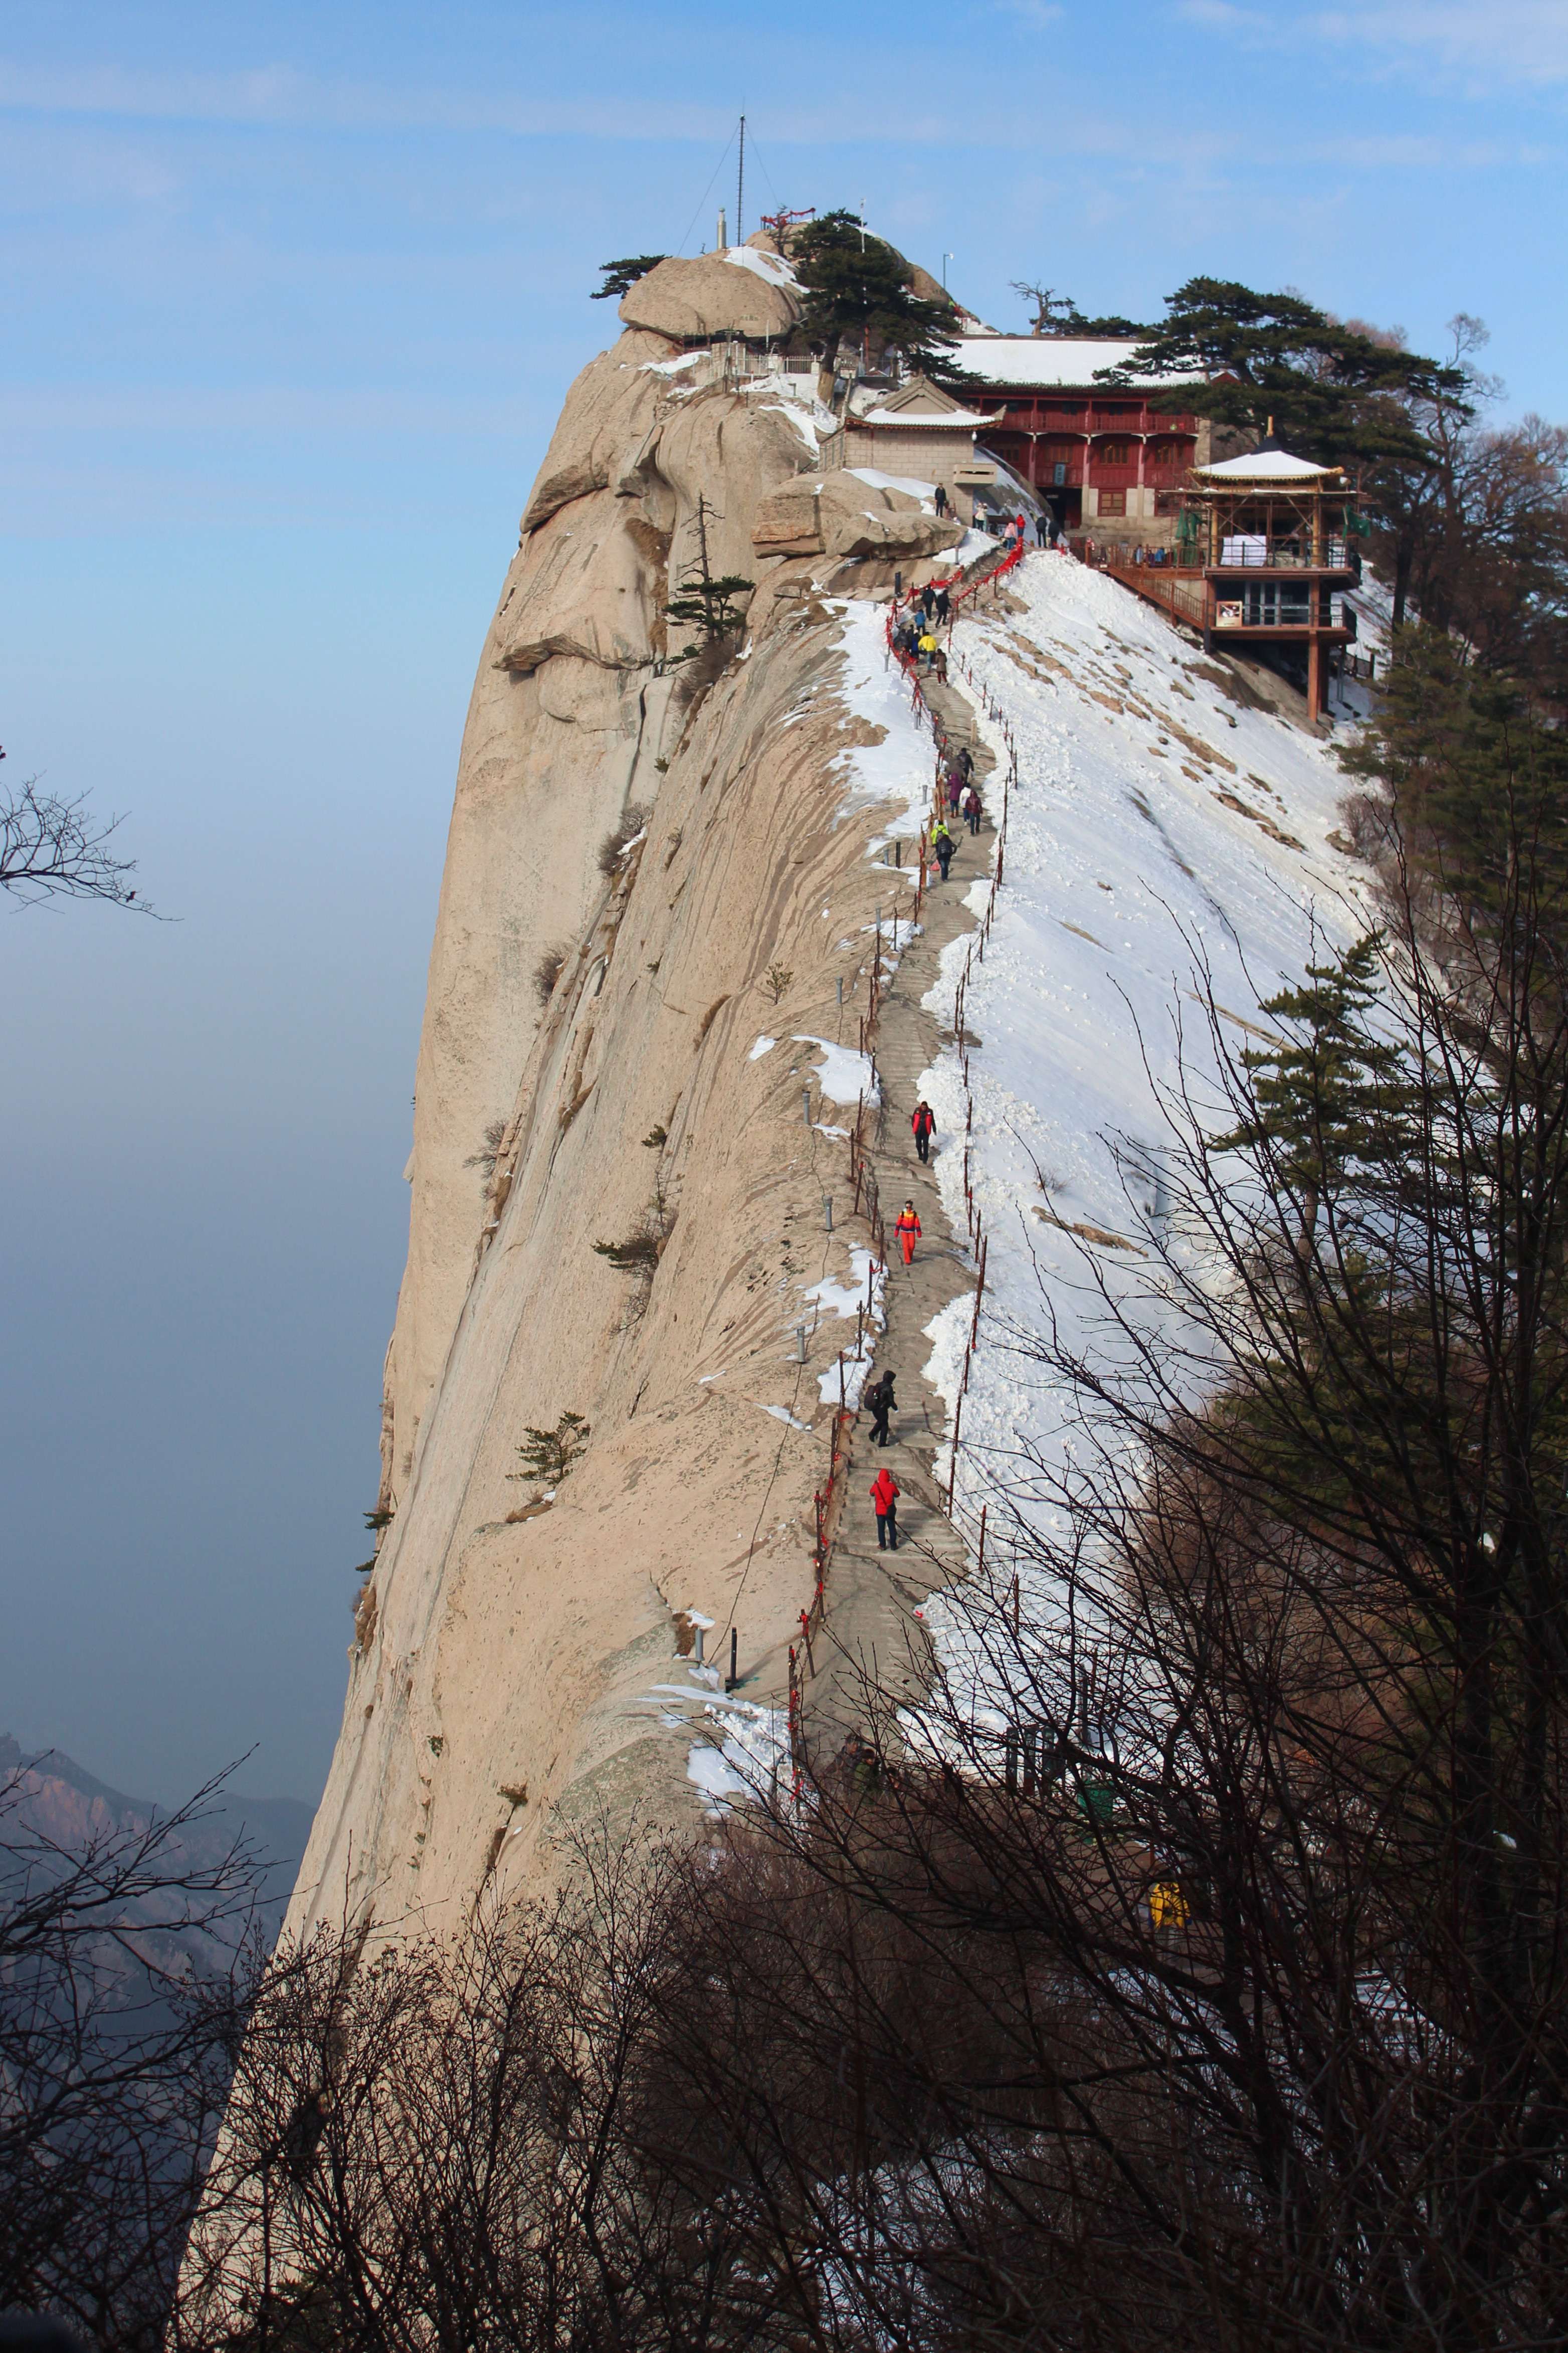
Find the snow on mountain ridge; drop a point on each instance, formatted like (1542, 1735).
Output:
(1150, 820)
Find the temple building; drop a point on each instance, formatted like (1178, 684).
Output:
(1099, 455)
(1275, 537)
(917, 432)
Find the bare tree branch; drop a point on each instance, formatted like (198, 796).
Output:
(51, 848)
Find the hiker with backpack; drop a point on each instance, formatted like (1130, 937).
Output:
(908, 1229)
(943, 845)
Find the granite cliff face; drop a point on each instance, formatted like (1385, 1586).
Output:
(498, 1658)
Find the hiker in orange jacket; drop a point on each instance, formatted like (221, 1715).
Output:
(884, 1494)
(908, 1230)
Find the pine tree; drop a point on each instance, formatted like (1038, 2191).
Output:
(1334, 1097)
(1478, 775)
(550, 1454)
(620, 276)
(855, 287)
(704, 601)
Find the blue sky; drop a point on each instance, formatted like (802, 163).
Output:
(290, 299)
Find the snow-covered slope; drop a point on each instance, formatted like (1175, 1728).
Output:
(1155, 820)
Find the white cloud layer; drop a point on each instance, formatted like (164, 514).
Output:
(1476, 46)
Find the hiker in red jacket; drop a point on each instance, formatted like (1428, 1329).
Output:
(924, 1125)
(908, 1230)
(884, 1494)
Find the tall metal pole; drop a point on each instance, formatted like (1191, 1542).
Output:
(740, 189)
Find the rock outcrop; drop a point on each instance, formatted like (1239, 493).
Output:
(840, 515)
(605, 417)
(593, 1012)
(714, 296)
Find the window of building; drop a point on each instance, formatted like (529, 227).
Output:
(1114, 453)
(1163, 453)
(1277, 604)
(1113, 502)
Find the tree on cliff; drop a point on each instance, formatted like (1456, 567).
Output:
(706, 600)
(51, 848)
(854, 287)
(620, 276)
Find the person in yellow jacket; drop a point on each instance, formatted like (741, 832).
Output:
(942, 845)
(908, 1230)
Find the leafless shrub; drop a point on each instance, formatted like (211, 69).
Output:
(632, 821)
(471, 2129)
(489, 1152)
(548, 971)
(777, 979)
(125, 1974)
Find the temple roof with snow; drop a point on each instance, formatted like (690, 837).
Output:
(1266, 466)
(1051, 359)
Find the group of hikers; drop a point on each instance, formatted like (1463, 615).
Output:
(915, 638)
(1016, 533)
(880, 1400)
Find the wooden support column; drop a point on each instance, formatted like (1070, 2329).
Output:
(1314, 673)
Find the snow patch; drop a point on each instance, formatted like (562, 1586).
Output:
(844, 1076)
(763, 1045)
(807, 421)
(906, 482)
(899, 767)
(752, 1760)
(844, 1300)
(782, 1413)
(762, 264)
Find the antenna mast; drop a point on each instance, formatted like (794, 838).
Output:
(741, 188)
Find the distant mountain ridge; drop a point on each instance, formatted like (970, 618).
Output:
(49, 1794)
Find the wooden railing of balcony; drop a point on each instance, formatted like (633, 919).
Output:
(1054, 417)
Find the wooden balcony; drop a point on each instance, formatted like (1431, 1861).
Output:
(1084, 417)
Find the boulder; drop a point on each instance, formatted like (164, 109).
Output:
(837, 514)
(689, 301)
